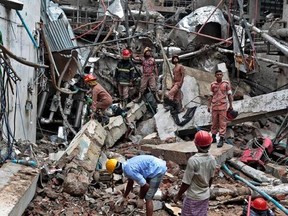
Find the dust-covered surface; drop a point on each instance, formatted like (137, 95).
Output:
(95, 195)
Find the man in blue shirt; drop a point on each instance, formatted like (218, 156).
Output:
(146, 170)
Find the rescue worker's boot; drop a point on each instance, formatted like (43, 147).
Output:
(221, 142)
(138, 99)
(214, 138)
(158, 100)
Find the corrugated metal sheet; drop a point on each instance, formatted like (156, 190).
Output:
(58, 36)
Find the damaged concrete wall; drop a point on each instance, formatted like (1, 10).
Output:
(118, 126)
(16, 39)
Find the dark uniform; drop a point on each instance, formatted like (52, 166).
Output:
(124, 75)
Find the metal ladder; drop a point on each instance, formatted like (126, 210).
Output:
(4, 63)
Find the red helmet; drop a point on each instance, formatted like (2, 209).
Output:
(231, 115)
(202, 138)
(259, 204)
(126, 53)
(89, 77)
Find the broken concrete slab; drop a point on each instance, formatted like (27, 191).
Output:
(249, 109)
(115, 130)
(278, 171)
(117, 126)
(86, 145)
(146, 127)
(17, 188)
(181, 151)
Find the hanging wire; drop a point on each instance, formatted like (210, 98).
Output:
(4, 114)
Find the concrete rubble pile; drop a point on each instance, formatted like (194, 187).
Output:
(72, 148)
(94, 192)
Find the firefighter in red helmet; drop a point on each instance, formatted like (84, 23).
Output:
(100, 97)
(259, 207)
(198, 178)
(124, 75)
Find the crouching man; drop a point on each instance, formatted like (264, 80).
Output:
(146, 170)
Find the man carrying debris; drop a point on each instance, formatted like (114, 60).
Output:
(198, 177)
(220, 90)
(101, 99)
(124, 76)
(146, 170)
(175, 94)
(259, 207)
(150, 75)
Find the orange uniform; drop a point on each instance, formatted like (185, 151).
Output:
(219, 104)
(175, 93)
(101, 98)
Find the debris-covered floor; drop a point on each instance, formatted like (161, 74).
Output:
(60, 193)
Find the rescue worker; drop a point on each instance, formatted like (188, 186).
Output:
(146, 170)
(259, 207)
(101, 99)
(198, 177)
(123, 76)
(149, 77)
(175, 93)
(217, 102)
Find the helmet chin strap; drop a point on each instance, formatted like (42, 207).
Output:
(118, 165)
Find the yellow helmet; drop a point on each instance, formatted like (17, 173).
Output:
(146, 49)
(111, 165)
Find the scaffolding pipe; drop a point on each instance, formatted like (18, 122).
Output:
(262, 193)
(270, 39)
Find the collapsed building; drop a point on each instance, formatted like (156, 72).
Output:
(63, 40)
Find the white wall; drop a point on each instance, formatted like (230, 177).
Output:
(16, 39)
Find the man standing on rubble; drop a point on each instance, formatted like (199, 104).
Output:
(175, 94)
(149, 77)
(123, 76)
(146, 170)
(101, 99)
(220, 91)
(198, 177)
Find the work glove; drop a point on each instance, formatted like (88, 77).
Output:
(120, 201)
